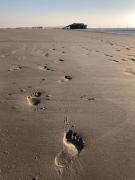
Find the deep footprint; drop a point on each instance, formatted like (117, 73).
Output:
(65, 78)
(73, 145)
(34, 99)
(61, 60)
(68, 77)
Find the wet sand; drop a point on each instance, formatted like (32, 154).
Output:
(54, 80)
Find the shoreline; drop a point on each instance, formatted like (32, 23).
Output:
(115, 31)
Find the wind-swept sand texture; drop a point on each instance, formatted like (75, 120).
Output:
(87, 78)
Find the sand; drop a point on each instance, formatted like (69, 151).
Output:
(54, 78)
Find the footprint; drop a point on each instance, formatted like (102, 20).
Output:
(22, 90)
(72, 146)
(84, 97)
(45, 68)
(15, 68)
(34, 99)
(68, 77)
(47, 54)
(108, 55)
(61, 60)
(132, 59)
(127, 48)
(65, 78)
(113, 60)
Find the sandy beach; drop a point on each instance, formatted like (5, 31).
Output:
(53, 80)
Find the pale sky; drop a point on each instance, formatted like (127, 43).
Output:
(95, 13)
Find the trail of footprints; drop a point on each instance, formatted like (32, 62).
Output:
(72, 142)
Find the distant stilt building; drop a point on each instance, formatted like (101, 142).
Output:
(37, 27)
(76, 26)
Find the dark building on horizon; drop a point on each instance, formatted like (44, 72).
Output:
(76, 26)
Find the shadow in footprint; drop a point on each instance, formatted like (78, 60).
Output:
(75, 139)
(47, 54)
(61, 60)
(113, 60)
(132, 59)
(46, 68)
(108, 55)
(68, 77)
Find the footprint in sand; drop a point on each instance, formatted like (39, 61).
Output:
(113, 60)
(68, 77)
(132, 59)
(72, 146)
(61, 60)
(84, 97)
(45, 68)
(65, 78)
(108, 55)
(34, 99)
(127, 48)
(47, 54)
(15, 68)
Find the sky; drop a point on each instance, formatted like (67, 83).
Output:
(95, 13)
